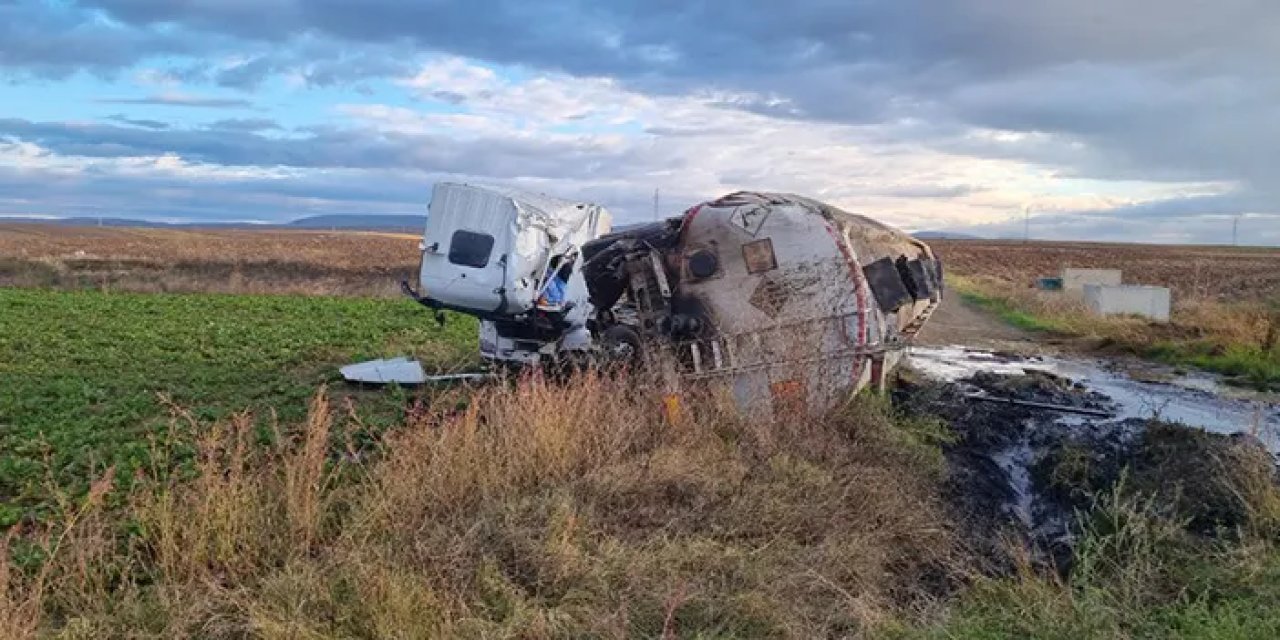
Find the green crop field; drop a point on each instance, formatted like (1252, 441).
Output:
(85, 376)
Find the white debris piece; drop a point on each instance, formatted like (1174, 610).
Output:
(401, 370)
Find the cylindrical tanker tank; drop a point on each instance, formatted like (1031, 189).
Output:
(791, 301)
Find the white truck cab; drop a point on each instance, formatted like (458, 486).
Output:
(495, 253)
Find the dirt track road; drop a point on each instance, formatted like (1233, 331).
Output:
(955, 323)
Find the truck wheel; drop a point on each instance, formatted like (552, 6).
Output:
(621, 344)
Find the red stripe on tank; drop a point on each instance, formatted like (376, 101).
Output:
(860, 289)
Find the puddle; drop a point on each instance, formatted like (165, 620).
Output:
(1195, 399)
(1016, 462)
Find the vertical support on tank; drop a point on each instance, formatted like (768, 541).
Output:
(672, 391)
(879, 374)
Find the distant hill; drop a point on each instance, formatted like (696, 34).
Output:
(83, 221)
(945, 235)
(410, 223)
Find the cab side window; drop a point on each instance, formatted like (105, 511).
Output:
(470, 249)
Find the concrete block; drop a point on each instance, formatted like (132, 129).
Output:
(1109, 300)
(1075, 279)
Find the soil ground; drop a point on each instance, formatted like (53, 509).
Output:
(956, 323)
(1193, 272)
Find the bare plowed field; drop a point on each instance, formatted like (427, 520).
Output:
(365, 262)
(226, 260)
(1206, 272)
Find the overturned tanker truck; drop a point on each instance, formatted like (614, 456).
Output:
(786, 300)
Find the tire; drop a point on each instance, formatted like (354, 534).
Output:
(622, 345)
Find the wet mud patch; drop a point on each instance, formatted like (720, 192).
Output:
(1035, 450)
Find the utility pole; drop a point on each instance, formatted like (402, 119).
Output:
(1026, 224)
(655, 205)
(1235, 230)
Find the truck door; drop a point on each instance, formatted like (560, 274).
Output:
(464, 257)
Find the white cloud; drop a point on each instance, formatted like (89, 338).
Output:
(156, 78)
(34, 159)
(701, 145)
(543, 98)
(600, 138)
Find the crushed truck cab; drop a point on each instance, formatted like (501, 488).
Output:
(512, 260)
(486, 251)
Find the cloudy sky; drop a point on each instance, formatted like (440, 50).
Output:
(1147, 120)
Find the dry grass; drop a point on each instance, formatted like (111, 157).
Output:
(528, 511)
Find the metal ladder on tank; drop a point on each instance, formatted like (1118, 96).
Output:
(720, 357)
